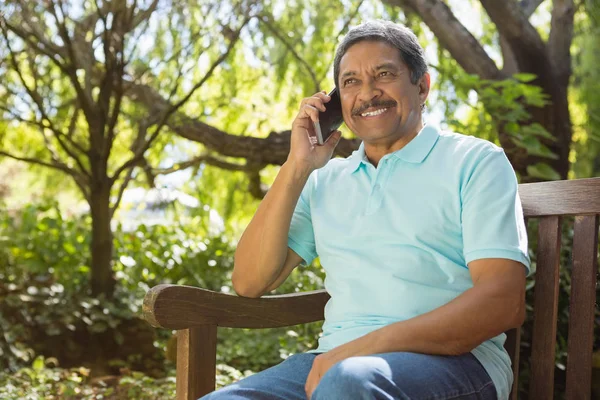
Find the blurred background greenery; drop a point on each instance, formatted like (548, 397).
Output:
(137, 138)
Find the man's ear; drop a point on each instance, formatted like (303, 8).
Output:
(424, 84)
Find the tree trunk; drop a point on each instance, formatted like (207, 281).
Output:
(561, 128)
(103, 281)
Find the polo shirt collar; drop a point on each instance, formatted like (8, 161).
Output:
(357, 158)
(414, 152)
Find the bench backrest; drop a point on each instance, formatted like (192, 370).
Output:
(549, 202)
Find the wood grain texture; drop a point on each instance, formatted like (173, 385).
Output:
(545, 309)
(512, 346)
(181, 307)
(575, 197)
(196, 362)
(582, 307)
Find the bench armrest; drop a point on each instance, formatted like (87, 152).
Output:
(183, 307)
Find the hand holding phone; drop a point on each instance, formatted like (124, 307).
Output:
(330, 119)
(306, 152)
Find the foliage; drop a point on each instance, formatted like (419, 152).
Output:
(44, 294)
(585, 93)
(40, 241)
(43, 380)
(509, 101)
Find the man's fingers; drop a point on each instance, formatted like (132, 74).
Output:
(323, 96)
(315, 102)
(311, 112)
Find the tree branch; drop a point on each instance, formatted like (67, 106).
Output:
(203, 159)
(251, 169)
(115, 69)
(37, 124)
(255, 187)
(54, 165)
(108, 80)
(85, 96)
(510, 66)
(143, 15)
(35, 30)
(208, 74)
(524, 41)
(272, 150)
(26, 37)
(463, 46)
(37, 99)
(122, 188)
(71, 131)
(168, 111)
(529, 6)
(561, 36)
(266, 20)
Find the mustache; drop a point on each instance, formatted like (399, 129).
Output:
(374, 104)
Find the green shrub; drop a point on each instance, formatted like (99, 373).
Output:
(44, 271)
(43, 381)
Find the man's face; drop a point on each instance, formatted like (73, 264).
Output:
(379, 102)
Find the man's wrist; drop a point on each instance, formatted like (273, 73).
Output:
(298, 170)
(386, 339)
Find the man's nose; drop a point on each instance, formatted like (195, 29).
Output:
(369, 92)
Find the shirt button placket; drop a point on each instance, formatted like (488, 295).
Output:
(376, 192)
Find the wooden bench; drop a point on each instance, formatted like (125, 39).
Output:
(196, 313)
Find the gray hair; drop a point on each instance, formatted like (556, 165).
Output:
(396, 35)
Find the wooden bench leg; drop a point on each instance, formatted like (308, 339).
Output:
(196, 361)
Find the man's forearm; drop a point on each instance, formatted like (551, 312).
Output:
(457, 327)
(262, 249)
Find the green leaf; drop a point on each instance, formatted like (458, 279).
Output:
(534, 147)
(38, 363)
(537, 129)
(524, 77)
(69, 248)
(542, 171)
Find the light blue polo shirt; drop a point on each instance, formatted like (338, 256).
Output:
(395, 240)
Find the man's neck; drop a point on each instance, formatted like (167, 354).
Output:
(376, 151)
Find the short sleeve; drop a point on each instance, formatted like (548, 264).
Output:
(492, 216)
(301, 237)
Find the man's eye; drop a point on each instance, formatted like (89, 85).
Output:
(349, 81)
(384, 73)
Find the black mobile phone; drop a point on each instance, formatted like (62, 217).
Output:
(331, 119)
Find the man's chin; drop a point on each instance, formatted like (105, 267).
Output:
(375, 131)
(373, 134)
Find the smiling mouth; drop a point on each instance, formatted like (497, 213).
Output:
(374, 113)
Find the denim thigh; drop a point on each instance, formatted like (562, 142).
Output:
(398, 375)
(404, 376)
(284, 381)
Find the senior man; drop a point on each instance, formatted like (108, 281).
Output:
(420, 233)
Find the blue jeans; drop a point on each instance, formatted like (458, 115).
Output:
(381, 376)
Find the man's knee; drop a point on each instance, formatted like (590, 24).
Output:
(352, 378)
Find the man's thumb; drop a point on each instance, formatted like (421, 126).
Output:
(334, 139)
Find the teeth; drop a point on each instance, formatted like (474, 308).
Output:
(374, 113)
